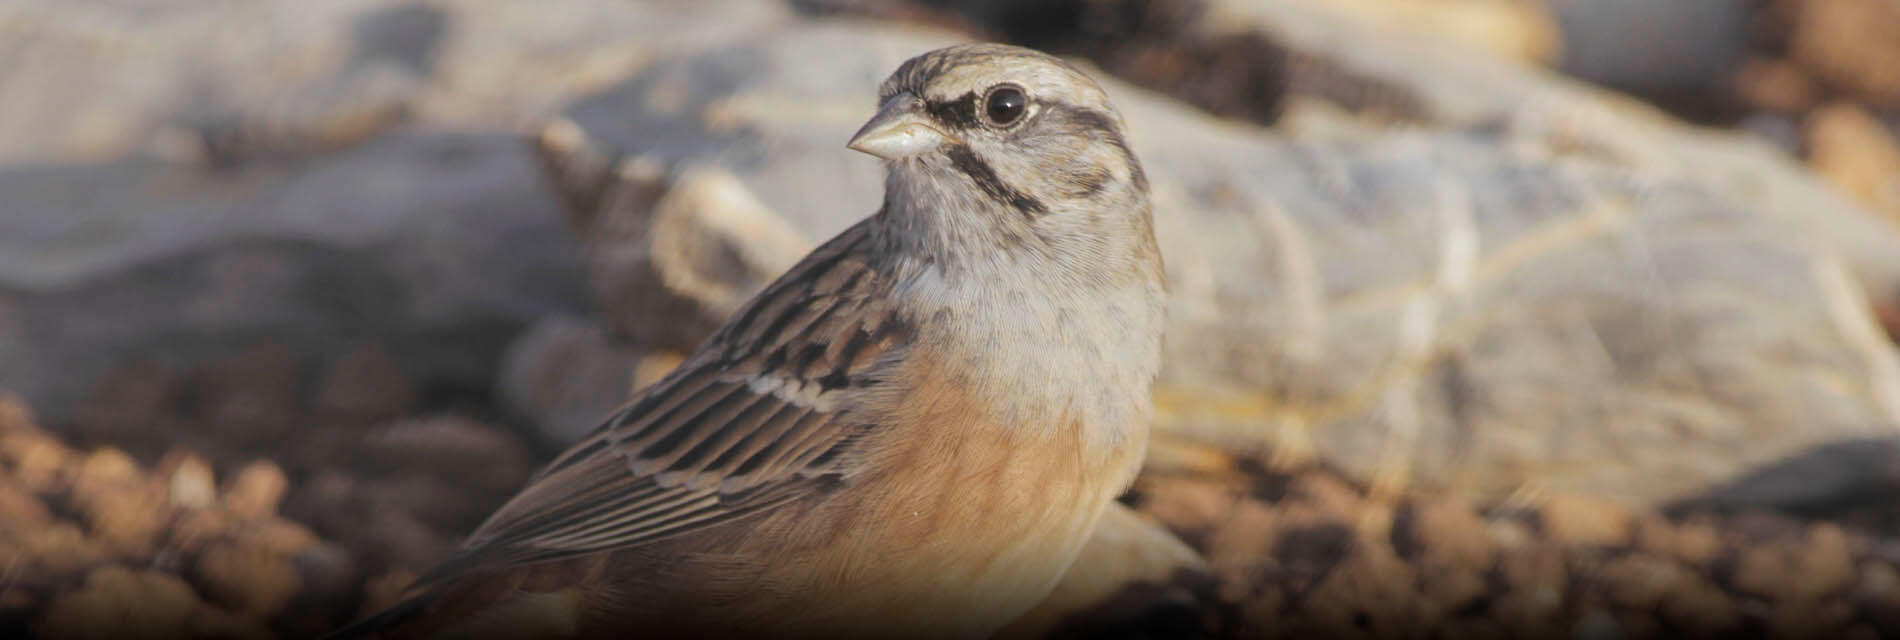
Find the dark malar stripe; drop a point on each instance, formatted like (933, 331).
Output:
(979, 171)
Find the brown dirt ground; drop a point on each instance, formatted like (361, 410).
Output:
(248, 499)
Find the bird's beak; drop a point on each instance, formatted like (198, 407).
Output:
(899, 130)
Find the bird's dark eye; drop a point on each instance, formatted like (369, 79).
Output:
(1005, 104)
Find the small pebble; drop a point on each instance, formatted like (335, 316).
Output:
(256, 490)
(192, 484)
(1580, 521)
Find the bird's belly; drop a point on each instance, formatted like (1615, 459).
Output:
(973, 535)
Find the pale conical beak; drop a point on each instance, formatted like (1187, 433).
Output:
(899, 130)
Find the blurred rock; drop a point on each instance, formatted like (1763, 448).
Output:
(38, 461)
(1544, 114)
(1517, 29)
(362, 388)
(20, 509)
(252, 580)
(218, 81)
(104, 470)
(1234, 72)
(1641, 581)
(1859, 154)
(117, 602)
(392, 243)
(1132, 572)
(1776, 85)
(1888, 313)
(56, 549)
(1442, 532)
(1820, 565)
(1878, 589)
(1809, 619)
(705, 220)
(655, 366)
(135, 407)
(282, 537)
(404, 492)
(331, 586)
(1578, 521)
(565, 375)
(1814, 481)
(472, 454)
(668, 260)
(1181, 454)
(1243, 535)
(248, 399)
(1392, 304)
(1308, 546)
(1191, 506)
(1692, 542)
(1328, 494)
(1533, 598)
(1699, 604)
(121, 507)
(1848, 44)
(1781, 131)
(1371, 592)
(189, 481)
(256, 490)
(126, 517)
(15, 415)
(1648, 47)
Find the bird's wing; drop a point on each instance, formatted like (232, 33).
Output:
(762, 414)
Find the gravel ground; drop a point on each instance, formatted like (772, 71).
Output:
(1306, 554)
(186, 530)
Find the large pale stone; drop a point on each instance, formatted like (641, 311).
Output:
(1535, 283)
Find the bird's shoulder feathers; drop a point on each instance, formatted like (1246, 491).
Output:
(766, 412)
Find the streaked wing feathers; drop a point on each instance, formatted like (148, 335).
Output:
(761, 415)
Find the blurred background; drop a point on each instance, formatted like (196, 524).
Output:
(1489, 318)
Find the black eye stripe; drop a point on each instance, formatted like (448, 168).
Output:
(957, 114)
(961, 113)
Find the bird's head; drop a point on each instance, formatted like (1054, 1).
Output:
(1001, 141)
(1023, 127)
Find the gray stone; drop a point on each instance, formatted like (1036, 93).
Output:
(374, 187)
(439, 248)
(565, 375)
(1450, 88)
(1848, 473)
(220, 80)
(1532, 284)
(1640, 45)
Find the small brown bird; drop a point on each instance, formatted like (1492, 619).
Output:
(911, 433)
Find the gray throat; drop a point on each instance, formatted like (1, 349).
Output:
(1068, 304)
